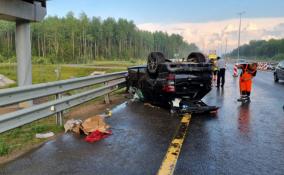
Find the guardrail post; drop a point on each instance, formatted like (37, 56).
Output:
(107, 98)
(59, 115)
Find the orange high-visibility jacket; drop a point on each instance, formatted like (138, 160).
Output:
(246, 78)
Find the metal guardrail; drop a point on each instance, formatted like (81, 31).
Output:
(20, 94)
(14, 95)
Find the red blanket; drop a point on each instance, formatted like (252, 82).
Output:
(97, 135)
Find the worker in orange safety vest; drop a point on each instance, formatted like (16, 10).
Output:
(248, 72)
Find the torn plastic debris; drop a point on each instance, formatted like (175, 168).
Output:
(176, 102)
(108, 113)
(73, 125)
(44, 135)
(138, 95)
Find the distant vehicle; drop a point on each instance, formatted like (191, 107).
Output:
(270, 67)
(162, 81)
(279, 72)
(240, 61)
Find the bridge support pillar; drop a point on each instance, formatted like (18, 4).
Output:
(23, 52)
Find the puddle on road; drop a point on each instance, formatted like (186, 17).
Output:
(244, 119)
(119, 107)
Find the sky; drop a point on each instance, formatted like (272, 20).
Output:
(208, 23)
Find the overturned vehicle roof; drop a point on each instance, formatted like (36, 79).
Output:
(163, 80)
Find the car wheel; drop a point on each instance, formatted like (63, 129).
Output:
(276, 79)
(196, 57)
(154, 59)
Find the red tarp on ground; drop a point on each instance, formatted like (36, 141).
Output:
(97, 135)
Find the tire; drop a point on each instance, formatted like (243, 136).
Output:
(276, 79)
(196, 57)
(154, 59)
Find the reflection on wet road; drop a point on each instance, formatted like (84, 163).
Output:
(241, 139)
(244, 119)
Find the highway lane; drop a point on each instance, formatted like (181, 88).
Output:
(241, 139)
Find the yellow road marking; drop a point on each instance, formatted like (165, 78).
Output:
(170, 160)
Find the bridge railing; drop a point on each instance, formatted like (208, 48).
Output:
(112, 82)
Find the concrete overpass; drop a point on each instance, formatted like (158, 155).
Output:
(23, 12)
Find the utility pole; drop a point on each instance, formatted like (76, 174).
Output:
(240, 25)
(226, 46)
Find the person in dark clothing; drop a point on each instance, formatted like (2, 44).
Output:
(221, 65)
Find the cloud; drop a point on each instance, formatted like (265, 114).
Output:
(214, 34)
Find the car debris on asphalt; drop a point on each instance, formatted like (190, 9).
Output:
(95, 128)
(108, 113)
(138, 95)
(151, 106)
(73, 125)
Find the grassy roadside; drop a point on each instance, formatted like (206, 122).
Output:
(46, 73)
(122, 64)
(22, 138)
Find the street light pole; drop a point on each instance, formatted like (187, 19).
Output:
(226, 46)
(239, 40)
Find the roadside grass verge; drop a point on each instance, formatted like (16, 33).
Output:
(46, 73)
(24, 136)
(123, 64)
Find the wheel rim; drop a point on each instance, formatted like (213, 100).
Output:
(152, 65)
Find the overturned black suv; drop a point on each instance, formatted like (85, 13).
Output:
(162, 81)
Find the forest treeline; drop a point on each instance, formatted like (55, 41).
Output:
(261, 49)
(80, 40)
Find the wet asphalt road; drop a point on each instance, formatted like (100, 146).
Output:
(241, 139)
